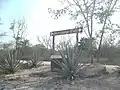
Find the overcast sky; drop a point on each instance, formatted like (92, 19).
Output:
(38, 20)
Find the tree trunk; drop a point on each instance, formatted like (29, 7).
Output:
(91, 50)
(98, 55)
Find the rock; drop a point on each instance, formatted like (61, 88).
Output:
(112, 68)
(46, 63)
(95, 69)
(72, 83)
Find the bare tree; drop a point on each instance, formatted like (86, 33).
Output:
(47, 43)
(65, 43)
(88, 13)
(19, 32)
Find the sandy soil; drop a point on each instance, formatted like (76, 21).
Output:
(43, 79)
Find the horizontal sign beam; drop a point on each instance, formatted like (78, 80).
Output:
(62, 32)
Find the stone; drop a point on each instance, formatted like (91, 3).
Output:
(94, 69)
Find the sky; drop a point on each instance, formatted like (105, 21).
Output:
(38, 20)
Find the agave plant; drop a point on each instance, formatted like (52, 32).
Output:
(35, 60)
(69, 67)
(10, 63)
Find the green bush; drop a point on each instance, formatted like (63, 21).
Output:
(9, 64)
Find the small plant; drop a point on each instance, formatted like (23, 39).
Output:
(10, 63)
(69, 67)
(34, 60)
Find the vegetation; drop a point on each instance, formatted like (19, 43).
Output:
(10, 63)
(19, 49)
(99, 42)
(69, 67)
(89, 14)
(34, 61)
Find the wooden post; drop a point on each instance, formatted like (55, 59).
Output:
(53, 45)
(62, 32)
(77, 38)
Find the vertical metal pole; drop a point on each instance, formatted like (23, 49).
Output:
(53, 45)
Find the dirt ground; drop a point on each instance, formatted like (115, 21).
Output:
(43, 79)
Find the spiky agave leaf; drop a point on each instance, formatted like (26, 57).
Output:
(64, 70)
(34, 60)
(11, 64)
(69, 66)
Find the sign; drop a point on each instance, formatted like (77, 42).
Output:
(68, 31)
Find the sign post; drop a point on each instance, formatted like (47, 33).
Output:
(53, 45)
(62, 32)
